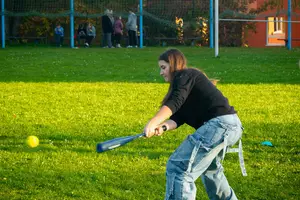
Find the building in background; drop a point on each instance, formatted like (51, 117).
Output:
(274, 32)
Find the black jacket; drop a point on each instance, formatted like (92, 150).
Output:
(195, 100)
(81, 31)
(107, 26)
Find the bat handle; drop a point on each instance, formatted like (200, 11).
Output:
(142, 135)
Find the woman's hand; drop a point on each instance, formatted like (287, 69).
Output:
(154, 123)
(160, 130)
(150, 129)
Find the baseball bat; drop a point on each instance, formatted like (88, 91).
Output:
(117, 142)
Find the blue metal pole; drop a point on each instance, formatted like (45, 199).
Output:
(216, 28)
(211, 23)
(141, 24)
(289, 45)
(72, 23)
(3, 24)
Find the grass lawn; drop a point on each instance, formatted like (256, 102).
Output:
(71, 99)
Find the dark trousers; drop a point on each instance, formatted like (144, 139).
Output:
(132, 38)
(118, 38)
(59, 40)
(106, 40)
(89, 39)
(80, 38)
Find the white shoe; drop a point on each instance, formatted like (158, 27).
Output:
(129, 46)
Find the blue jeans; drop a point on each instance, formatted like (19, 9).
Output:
(106, 40)
(59, 40)
(200, 155)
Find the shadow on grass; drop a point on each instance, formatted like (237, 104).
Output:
(236, 65)
(283, 137)
(149, 153)
(12, 147)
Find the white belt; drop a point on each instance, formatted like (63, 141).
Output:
(223, 146)
(238, 150)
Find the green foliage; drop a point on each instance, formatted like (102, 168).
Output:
(276, 4)
(38, 26)
(159, 16)
(73, 98)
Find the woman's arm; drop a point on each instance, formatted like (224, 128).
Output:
(164, 113)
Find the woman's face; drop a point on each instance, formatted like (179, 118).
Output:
(165, 70)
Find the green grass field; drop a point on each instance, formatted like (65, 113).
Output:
(71, 99)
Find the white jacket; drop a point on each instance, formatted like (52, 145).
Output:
(131, 23)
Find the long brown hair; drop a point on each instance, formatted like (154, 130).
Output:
(177, 62)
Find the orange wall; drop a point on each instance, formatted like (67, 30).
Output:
(258, 39)
(296, 30)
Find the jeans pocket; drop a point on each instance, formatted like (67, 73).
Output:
(211, 134)
(180, 159)
(233, 132)
(234, 136)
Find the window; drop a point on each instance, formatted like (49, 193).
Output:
(275, 25)
(275, 31)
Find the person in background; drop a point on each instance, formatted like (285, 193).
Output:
(132, 28)
(107, 30)
(112, 19)
(59, 35)
(118, 31)
(91, 34)
(194, 100)
(111, 16)
(81, 33)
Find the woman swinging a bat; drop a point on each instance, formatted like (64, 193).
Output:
(193, 99)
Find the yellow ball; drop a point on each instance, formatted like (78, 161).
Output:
(32, 141)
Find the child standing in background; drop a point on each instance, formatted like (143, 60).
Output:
(59, 35)
(132, 28)
(118, 31)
